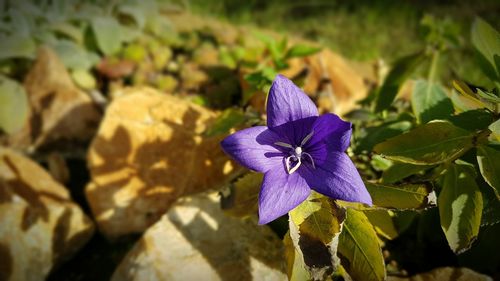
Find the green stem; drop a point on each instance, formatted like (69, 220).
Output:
(432, 71)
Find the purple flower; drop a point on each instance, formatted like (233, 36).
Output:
(297, 151)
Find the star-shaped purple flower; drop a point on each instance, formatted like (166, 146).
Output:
(297, 151)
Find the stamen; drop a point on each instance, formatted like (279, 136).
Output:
(283, 144)
(307, 138)
(294, 168)
(310, 158)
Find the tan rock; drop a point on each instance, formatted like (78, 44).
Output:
(446, 274)
(196, 241)
(150, 150)
(59, 110)
(40, 225)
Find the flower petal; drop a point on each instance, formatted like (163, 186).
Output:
(254, 148)
(280, 193)
(337, 178)
(286, 102)
(333, 131)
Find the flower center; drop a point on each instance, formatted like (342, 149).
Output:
(296, 155)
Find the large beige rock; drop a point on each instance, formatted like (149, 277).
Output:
(150, 150)
(196, 241)
(59, 111)
(39, 224)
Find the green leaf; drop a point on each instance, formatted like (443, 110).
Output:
(460, 207)
(371, 136)
(382, 221)
(135, 13)
(399, 171)
(228, 119)
(489, 164)
(74, 56)
(107, 34)
(360, 251)
(17, 46)
(429, 102)
(473, 120)
(432, 143)
(401, 70)
(241, 200)
(487, 96)
(487, 41)
(69, 30)
(84, 79)
(402, 197)
(295, 268)
(300, 50)
(315, 227)
(495, 129)
(14, 107)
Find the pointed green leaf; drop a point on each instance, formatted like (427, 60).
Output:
(315, 226)
(359, 248)
(460, 208)
(495, 129)
(228, 119)
(401, 70)
(14, 107)
(17, 46)
(108, 35)
(489, 164)
(300, 50)
(433, 143)
(371, 136)
(473, 120)
(399, 171)
(429, 102)
(407, 196)
(487, 41)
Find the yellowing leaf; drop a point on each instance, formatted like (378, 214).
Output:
(359, 245)
(242, 199)
(407, 196)
(315, 226)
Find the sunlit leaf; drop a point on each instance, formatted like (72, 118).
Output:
(241, 200)
(84, 79)
(495, 129)
(429, 102)
(315, 226)
(295, 268)
(14, 108)
(405, 196)
(460, 207)
(359, 248)
(300, 50)
(432, 143)
(401, 70)
(399, 171)
(69, 30)
(489, 164)
(382, 221)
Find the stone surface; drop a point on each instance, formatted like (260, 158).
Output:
(446, 274)
(149, 151)
(40, 226)
(196, 241)
(59, 111)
